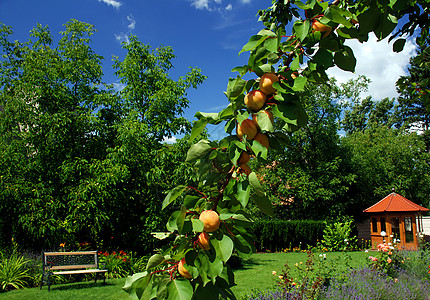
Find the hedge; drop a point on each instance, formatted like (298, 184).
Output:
(278, 235)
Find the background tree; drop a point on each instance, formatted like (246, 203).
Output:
(385, 158)
(81, 162)
(309, 174)
(413, 102)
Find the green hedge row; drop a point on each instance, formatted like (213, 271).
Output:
(278, 235)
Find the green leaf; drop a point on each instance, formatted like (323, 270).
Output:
(263, 203)
(336, 15)
(179, 289)
(271, 44)
(398, 45)
(255, 183)
(198, 150)
(172, 225)
(223, 247)
(292, 113)
(154, 261)
(345, 59)
(243, 191)
(264, 121)
(235, 87)
(387, 23)
(180, 220)
(253, 43)
(301, 29)
(263, 69)
(324, 57)
(135, 285)
(172, 195)
(299, 84)
(266, 33)
(198, 127)
(259, 150)
(197, 225)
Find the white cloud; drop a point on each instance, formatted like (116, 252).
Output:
(245, 1)
(200, 4)
(378, 62)
(113, 3)
(170, 140)
(229, 7)
(218, 1)
(122, 37)
(118, 86)
(132, 21)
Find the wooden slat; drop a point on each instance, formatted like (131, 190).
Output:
(67, 267)
(79, 272)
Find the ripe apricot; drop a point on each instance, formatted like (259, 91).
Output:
(243, 158)
(182, 270)
(248, 128)
(210, 219)
(255, 100)
(203, 241)
(262, 139)
(266, 82)
(318, 26)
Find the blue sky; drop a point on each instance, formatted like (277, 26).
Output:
(204, 33)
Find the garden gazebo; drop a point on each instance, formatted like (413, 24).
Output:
(396, 218)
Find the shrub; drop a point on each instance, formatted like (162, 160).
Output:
(338, 235)
(13, 272)
(278, 235)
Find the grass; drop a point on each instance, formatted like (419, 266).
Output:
(256, 273)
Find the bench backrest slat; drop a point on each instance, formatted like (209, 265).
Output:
(70, 260)
(72, 267)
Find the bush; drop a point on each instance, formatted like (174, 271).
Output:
(338, 235)
(278, 235)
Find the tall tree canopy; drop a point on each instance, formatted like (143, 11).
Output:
(79, 161)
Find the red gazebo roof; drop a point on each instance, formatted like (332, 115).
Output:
(394, 203)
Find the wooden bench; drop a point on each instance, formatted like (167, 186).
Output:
(69, 263)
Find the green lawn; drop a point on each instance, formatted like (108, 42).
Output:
(256, 273)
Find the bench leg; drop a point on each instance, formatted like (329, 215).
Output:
(41, 281)
(104, 279)
(97, 275)
(49, 282)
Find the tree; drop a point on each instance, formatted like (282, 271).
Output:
(227, 180)
(385, 158)
(309, 174)
(81, 162)
(413, 102)
(367, 113)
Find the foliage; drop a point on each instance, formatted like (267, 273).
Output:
(384, 159)
(80, 161)
(310, 173)
(118, 264)
(338, 235)
(413, 103)
(277, 235)
(225, 184)
(13, 271)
